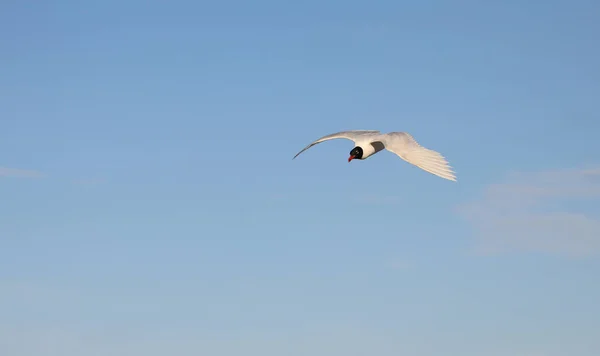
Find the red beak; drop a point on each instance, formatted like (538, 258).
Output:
(350, 158)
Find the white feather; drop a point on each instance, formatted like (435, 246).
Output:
(407, 148)
(400, 143)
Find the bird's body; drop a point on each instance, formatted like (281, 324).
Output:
(369, 142)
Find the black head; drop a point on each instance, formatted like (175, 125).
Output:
(356, 153)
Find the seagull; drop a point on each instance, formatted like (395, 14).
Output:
(369, 142)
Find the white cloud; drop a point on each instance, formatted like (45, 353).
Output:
(533, 212)
(18, 173)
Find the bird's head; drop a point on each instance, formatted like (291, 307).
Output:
(356, 153)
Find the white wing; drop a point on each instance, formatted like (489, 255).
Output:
(352, 135)
(407, 148)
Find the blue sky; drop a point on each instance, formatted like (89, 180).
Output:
(150, 204)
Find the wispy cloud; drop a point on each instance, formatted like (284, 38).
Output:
(400, 264)
(19, 173)
(90, 181)
(534, 212)
(377, 199)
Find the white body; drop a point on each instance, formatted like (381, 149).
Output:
(400, 143)
(367, 146)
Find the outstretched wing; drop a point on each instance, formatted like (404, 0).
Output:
(407, 148)
(352, 135)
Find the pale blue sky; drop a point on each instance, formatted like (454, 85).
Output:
(150, 206)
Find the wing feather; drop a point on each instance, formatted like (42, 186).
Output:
(352, 135)
(407, 148)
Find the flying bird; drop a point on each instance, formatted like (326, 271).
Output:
(369, 142)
